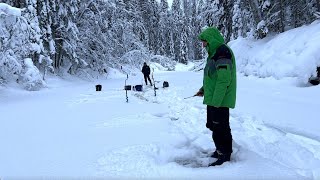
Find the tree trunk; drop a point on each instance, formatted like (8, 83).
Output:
(254, 6)
(228, 5)
(19, 4)
(282, 18)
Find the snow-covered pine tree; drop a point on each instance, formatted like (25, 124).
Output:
(187, 9)
(237, 21)
(317, 9)
(10, 31)
(65, 33)
(176, 27)
(164, 28)
(193, 42)
(138, 26)
(225, 21)
(94, 47)
(40, 57)
(183, 45)
(16, 45)
(202, 22)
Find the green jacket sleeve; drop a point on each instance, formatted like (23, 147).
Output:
(222, 83)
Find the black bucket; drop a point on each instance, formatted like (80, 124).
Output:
(98, 87)
(165, 84)
(127, 87)
(138, 87)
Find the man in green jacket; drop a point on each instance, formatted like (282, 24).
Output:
(219, 91)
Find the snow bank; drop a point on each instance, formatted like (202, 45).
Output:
(156, 67)
(115, 73)
(182, 67)
(166, 62)
(134, 58)
(294, 53)
(131, 63)
(31, 77)
(5, 8)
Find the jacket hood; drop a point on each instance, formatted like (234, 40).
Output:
(214, 39)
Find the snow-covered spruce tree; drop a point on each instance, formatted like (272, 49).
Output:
(10, 66)
(94, 45)
(123, 32)
(40, 57)
(225, 20)
(65, 33)
(219, 13)
(139, 17)
(183, 46)
(176, 28)
(164, 28)
(212, 13)
(15, 3)
(45, 15)
(171, 33)
(154, 34)
(194, 43)
(201, 23)
(317, 13)
(134, 27)
(260, 28)
(150, 14)
(243, 23)
(301, 12)
(16, 45)
(273, 15)
(189, 8)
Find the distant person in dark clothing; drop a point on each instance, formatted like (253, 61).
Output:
(146, 73)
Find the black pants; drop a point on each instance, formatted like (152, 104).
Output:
(147, 77)
(218, 123)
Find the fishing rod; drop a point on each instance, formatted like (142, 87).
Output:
(125, 87)
(154, 83)
(189, 97)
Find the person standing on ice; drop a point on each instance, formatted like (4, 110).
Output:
(146, 73)
(219, 91)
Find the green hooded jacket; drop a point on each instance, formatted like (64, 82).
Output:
(219, 79)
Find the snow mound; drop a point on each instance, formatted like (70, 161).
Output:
(31, 77)
(183, 67)
(289, 54)
(6, 9)
(166, 62)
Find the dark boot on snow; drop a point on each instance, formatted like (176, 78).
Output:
(215, 154)
(222, 158)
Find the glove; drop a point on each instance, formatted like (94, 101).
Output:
(199, 93)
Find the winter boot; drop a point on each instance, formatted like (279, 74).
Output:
(221, 159)
(215, 154)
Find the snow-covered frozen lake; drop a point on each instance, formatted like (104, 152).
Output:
(70, 130)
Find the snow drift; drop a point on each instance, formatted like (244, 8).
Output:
(294, 53)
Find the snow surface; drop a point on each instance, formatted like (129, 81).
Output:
(9, 10)
(70, 130)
